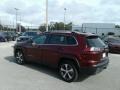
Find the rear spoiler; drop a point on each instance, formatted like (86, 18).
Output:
(92, 36)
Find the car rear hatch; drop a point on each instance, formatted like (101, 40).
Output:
(95, 49)
(97, 45)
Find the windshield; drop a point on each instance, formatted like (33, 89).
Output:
(29, 34)
(95, 41)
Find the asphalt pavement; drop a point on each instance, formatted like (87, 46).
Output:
(38, 77)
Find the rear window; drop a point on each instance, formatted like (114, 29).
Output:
(95, 41)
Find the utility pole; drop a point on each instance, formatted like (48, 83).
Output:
(46, 15)
(16, 9)
(0, 24)
(20, 30)
(0, 20)
(64, 17)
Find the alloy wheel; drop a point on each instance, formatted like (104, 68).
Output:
(19, 57)
(67, 72)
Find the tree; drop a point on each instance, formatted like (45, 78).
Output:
(117, 26)
(1, 27)
(59, 26)
(56, 26)
(68, 26)
(42, 28)
(23, 29)
(111, 33)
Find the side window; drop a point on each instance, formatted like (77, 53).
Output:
(40, 39)
(57, 39)
(70, 40)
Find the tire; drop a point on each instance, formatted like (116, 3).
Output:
(68, 71)
(19, 57)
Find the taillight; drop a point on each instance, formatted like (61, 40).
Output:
(92, 49)
(95, 49)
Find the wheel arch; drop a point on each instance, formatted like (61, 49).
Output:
(71, 59)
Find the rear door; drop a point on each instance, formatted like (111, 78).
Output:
(51, 52)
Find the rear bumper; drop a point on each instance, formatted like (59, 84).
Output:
(96, 68)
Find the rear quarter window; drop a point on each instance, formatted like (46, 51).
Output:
(70, 40)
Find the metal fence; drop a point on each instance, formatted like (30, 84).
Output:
(98, 31)
(13, 28)
(7, 28)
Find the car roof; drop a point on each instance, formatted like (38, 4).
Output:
(70, 32)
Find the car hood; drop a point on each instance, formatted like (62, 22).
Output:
(114, 44)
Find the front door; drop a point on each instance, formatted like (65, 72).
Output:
(34, 49)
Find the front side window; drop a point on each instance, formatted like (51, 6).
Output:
(40, 39)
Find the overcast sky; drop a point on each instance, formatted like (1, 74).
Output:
(78, 11)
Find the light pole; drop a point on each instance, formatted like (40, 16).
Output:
(16, 9)
(0, 24)
(64, 17)
(20, 23)
(46, 15)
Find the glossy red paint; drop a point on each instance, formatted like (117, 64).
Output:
(52, 54)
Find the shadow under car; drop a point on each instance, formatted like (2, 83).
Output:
(45, 69)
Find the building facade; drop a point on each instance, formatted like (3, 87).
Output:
(97, 28)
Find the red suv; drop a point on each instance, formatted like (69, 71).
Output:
(69, 52)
